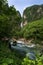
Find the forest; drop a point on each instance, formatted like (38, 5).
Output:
(10, 27)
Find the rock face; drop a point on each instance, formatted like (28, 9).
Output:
(32, 13)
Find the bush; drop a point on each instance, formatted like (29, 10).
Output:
(38, 61)
(33, 30)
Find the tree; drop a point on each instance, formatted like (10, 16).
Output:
(10, 20)
(33, 30)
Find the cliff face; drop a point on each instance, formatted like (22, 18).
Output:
(33, 13)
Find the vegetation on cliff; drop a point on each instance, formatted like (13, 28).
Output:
(33, 13)
(33, 30)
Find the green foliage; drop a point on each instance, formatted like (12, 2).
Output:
(7, 61)
(33, 30)
(32, 13)
(10, 57)
(7, 56)
(10, 20)
(38, 61)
